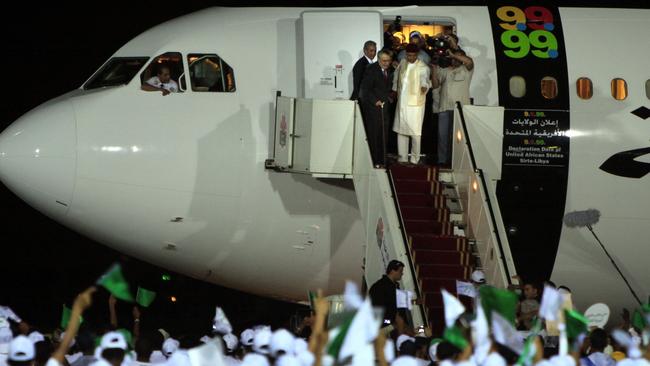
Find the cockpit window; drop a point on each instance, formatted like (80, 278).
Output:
(117, 71)
(210, 73)
(163, 74)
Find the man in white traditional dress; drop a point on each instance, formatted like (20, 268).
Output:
(411, 82)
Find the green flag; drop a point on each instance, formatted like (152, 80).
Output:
(334, 347)
(454, 335)
(526, 357)
(503, 302)
(312, 299)
(638, 321)
(65, 317)
(646, 308)
(144, 297)
(114, 282)
(128, 337)
(576, 323)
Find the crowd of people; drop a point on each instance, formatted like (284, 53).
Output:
(539, 328)
(394, 91)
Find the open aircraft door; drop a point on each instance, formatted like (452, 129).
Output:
(332, 41)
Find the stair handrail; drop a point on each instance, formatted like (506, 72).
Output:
(479, 172)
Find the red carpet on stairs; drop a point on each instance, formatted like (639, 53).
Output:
(440, 257)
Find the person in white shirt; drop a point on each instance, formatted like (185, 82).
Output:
(162, 82)
(411, 82)
(453, 82)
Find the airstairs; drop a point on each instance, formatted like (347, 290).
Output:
(442, 224)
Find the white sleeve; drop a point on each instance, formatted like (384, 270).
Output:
(153, 81)
(425, 77)
(53, 362)
(6, 312)
(173, 86)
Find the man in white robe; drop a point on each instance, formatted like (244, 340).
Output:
(411, 82)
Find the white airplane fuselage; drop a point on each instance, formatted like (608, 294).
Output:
(179, 180)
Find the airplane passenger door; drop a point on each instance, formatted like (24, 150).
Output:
(332, 41)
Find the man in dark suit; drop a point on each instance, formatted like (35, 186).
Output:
(377, 97)
(369, 53)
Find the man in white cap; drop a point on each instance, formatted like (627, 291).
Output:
(262, 340)
(170, 345)
(231, 342)
(112, 349)
(246, 340)
(281, 343)
(401, 339)
(478, 277)
(21, 352)
(5, 338)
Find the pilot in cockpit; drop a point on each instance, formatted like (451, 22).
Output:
(162, 82)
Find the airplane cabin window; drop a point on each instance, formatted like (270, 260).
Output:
(164, 72)
(619, 89)
(517, 86)
(117, 71)
(210, 73)
(585, 88)
(647, 88)
(549, 87)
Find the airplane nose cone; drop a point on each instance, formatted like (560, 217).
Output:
(38, 157)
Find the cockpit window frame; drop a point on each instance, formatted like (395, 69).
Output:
(226, 71)
(109, 63)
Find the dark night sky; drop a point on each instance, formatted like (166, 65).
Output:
(49, 50)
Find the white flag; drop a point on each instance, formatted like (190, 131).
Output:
(221, 324)
(453, 308)
(362, 331)
(209, 354)
(7, 313)
(351, 298)
(552, 301)
(481, 335)
(506, 334)
(465, 289)
(404, 299)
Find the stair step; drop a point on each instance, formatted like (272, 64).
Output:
(450, 190)
(424, 213)
(425, 241)
(437, 321)
(441, 257)
(433, 300)
(428, 226)
(453, 205)
(415, 172)
(445, 176)
(456, 217)
(418, 186)
(421, 199)
(443, 271)
(432, 284)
